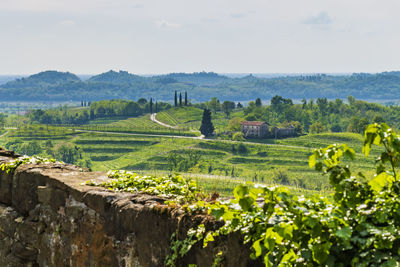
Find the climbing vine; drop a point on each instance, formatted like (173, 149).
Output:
(171, 186)
(359, 227)
(12, 165)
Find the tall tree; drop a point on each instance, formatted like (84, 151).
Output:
(258, 102)
(227, 107)
(207, 127)
(186, 100)
(151, 105)
(215, 104)
(156, 106)
(180, 99)
(176, 100)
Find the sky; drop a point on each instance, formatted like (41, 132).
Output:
(224, 36)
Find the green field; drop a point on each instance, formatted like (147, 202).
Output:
(189, 118)
(142, 125)
(141, 145)
(221, 164)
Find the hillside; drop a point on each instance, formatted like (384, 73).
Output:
(121, 77)
(59, 86)
(43, 80)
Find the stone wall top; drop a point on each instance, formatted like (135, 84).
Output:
(76, 224)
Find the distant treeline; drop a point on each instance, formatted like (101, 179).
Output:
(322, 115)
(58, 86)
(100, 109)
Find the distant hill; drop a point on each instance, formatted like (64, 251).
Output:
(43, 79)
(121, 77)
(197, 78)
(7, 78)
(201, 86)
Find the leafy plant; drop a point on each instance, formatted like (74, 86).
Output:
(14, 164)
(360, 227)
(171, 186)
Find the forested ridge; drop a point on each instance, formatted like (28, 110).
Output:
(59, 86)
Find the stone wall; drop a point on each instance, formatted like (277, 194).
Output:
(48, 218)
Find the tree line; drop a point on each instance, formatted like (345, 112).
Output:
(322, 115)
(98, 109)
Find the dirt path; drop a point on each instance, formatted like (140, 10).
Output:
(3, 134)
(153, 118)
(193, 137)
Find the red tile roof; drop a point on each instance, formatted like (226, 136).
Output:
(253, 123)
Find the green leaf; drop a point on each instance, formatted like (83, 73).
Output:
(344, 233)
(218, 213)
(257, 247)
(240, 191)
(320, 252)
(349, 152)
(312, 160)
(209, 238)
(246, 203)
(288, 258)
(380, 181)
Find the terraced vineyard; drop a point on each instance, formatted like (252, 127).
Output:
(220, 164)
(189, 118)
(141, 124)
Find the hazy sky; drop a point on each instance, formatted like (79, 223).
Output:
(159, 36)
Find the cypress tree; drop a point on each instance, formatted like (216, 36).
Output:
(176, 100)
(156, 107)
(186, 100)
(207, 127)
(151, 105)
(180, 99)
(258, 102)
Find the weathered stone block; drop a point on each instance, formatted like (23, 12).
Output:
(52, 219)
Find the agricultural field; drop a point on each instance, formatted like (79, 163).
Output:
(217, 165)
(141, 124)
(189, 118)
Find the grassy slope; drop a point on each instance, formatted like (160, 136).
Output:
(190, 118)
(141, 124)
(261, 162)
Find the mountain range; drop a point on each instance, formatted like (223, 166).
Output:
(201, 86)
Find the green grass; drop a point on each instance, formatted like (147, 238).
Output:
(260, 163)
(141, 125)
(189, 118)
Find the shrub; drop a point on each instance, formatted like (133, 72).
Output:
(242, 149)
(360, 226)
(238, 136)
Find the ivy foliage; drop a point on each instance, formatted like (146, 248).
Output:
(359, 227)
(12, 165)
(172, 186)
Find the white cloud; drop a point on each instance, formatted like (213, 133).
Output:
(237, 15)
(322, 18)
(164, 24)
(67, 22)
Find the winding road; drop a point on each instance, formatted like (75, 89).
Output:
(153, 118)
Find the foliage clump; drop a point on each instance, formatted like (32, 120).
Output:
(359, 227)
(171, 186)
(12, 165)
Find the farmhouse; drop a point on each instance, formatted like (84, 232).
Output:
(283, 132)
(258, 129)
